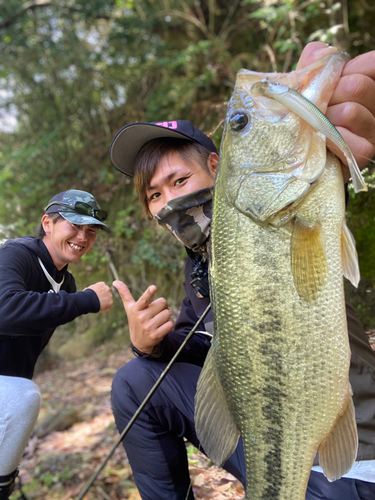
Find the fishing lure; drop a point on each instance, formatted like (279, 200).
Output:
(306, 110)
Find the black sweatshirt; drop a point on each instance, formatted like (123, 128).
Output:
(29, 309)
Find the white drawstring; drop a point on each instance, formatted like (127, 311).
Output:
(55, 286)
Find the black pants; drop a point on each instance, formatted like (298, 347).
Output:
(155, 445)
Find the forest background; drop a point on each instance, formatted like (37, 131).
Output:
(73, 72)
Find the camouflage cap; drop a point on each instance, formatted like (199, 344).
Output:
(77, 207)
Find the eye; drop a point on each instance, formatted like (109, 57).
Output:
(238, 121)
(154, 196)
(180, 181)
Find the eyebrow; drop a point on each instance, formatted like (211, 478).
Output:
(167, 178)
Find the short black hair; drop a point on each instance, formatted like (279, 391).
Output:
(54, 217)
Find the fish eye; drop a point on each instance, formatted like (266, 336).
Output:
(238, 121)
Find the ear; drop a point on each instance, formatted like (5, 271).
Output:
(212, 163)
(46, 223)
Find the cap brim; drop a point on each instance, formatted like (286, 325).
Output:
(82, 220)
(131, 138)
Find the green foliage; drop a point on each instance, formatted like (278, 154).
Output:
(49, 477)
(73, 72)
(191, 450)
(361, 217)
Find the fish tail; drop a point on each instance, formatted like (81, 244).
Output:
(357, 179)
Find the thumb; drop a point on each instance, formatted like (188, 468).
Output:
(313, 52)
(124, 292)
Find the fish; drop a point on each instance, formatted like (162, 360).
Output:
(277, 372)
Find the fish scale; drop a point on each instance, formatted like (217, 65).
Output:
(277, 371)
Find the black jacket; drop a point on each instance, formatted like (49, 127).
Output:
(29, 312)
(192, 308)
(362, 365)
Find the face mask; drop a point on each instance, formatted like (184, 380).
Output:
(188, 218)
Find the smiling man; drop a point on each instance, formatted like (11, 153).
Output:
(38, 294)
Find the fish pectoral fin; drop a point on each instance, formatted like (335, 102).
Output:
(338, 452)
(349, 256)
(308, 260)
(215, 426)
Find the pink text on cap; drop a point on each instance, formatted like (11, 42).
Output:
(167, 124)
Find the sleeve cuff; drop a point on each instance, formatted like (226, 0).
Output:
(154, 354)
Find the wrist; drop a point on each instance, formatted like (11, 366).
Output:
(142, 354)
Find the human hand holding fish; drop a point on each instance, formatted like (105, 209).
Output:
(149, 320)
(351, 108)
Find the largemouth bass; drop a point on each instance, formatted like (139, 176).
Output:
(278, 369)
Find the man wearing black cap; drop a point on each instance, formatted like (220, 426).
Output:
(174, 174)
(38, 294)
(174, 165)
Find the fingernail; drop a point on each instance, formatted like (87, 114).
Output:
(324, 51)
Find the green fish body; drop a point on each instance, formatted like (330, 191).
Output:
(277, 371)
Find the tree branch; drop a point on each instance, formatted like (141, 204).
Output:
(26, 6)
(187, 17)
(34, 4)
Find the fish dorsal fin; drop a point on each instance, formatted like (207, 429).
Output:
(338, 452)
(349, 256)
(215, 426)
(309, 266)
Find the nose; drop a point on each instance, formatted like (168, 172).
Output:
(168, 195)
(81, 234)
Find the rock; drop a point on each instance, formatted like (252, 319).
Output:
(58, 421)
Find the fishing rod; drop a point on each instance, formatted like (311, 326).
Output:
(142, 405)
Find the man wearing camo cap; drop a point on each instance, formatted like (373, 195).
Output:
(38, 294)
(174, 166)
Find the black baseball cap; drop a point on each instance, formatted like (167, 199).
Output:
(77, 207)
(131, 138)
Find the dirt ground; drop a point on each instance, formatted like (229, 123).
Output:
(76, 431)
